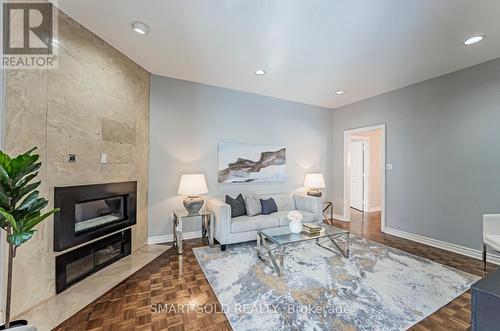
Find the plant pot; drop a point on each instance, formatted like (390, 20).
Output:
(19, 325)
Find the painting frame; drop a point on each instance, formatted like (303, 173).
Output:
(250, 163)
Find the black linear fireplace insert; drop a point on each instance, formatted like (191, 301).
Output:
(92, 211)
(79, 263)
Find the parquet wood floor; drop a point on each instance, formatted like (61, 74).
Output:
(174, 279)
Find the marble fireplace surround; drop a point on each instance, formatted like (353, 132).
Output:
(96, 101)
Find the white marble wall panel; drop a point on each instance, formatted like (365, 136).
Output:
(97, 101)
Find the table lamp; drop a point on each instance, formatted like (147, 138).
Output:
(193, 185)
(314, 182)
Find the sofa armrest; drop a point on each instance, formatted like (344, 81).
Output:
(491, 224)
(222, 219)
(310, 204)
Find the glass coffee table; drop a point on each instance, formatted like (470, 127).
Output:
(273, 242)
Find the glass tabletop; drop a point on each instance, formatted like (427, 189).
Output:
(282, 235)
(184, 213)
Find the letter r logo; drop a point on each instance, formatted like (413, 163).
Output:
(27, 28)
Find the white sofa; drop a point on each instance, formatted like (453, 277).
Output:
(244, 228)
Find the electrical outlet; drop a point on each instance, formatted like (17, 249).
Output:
(388, 166)
(72, 158)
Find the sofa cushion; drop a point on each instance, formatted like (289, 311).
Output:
(237, 205)
(253, 205)
(282, 215)
(268, 206)
(254, 223)
(284, 201)
(306, 203)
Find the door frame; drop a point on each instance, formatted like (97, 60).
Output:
(347, 170)
(366, 166)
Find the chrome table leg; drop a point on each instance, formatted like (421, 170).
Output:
(261, 240)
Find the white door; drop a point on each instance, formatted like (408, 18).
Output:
(357, 170)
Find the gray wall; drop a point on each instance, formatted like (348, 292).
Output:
(443, 139)
(187, 120)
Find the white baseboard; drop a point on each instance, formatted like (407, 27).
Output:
(474, 253)
(341, 218)
(374, 209)
(170, 237)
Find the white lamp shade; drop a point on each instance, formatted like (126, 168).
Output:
(192, 184)
(314, 181)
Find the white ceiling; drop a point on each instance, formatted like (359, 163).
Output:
(309, 48)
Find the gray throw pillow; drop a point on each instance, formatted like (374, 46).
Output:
(253, 206)
(237, 205)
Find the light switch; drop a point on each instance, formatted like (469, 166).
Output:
(388, 166)
(104, 158)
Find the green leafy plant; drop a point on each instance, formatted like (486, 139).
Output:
(20, 206)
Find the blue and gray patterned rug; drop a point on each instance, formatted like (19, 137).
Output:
(377, 288)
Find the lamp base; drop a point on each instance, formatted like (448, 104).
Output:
(193, 204)
(314, 192)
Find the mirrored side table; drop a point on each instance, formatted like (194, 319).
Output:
(207, 226)
(328, 205)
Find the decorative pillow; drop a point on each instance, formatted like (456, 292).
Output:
(268, 206)
(253, 206)
(237, 205)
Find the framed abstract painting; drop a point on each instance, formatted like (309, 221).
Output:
(245, 163)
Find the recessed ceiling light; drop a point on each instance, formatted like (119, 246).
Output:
(473, 40)
(140, 27)
(340, 92)
(260, 72)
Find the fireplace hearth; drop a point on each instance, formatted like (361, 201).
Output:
(89, 212)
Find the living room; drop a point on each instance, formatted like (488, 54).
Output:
(285, 165)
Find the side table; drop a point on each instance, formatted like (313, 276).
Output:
(207, 226)
(326, 205)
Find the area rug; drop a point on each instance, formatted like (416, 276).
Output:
(377, 288)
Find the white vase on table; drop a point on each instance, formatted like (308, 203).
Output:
(295, 218)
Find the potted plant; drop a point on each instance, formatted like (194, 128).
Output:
(20, 209)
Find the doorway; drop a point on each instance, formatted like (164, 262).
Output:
(364, 173)
(359, 185)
